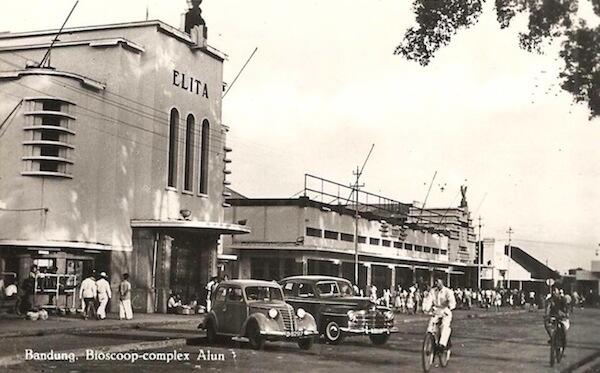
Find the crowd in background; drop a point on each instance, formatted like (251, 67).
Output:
(410, 299)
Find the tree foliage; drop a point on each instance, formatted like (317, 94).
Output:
(437, 21)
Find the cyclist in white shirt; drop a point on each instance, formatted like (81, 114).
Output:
(441, 302)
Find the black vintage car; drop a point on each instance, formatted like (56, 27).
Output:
(337, 310)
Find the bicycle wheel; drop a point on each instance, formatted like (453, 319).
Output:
(560, 344)
(444, 356)
(428, 352)
(552, 347)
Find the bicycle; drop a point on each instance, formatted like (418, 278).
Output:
(432, 348)
(558, 340)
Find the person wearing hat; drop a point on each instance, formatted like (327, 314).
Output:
(104, 295)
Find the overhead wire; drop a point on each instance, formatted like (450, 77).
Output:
(163, 117)
(159, 120)
(100, 116)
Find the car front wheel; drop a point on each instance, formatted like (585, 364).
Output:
(211, 332)
(333, 333)
(256, 340)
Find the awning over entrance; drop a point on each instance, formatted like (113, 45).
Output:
(208, 226)
(60, 245)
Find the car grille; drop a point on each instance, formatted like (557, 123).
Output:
(370, 321)
(289, 321)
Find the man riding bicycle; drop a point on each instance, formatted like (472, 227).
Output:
(556, 307)
(441, 301)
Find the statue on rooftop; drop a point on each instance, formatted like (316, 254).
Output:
(194, 15)
(463, 191)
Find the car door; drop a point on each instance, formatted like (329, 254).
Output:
(236, 311)
(304, 297)
(219, 307)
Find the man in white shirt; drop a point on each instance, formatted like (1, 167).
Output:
(441, 303)
(104, 295)
(88, 292)
(210, 286)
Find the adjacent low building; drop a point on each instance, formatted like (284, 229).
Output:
(295, 236)
(585, 282)
(510, 266)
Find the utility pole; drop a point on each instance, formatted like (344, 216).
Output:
(479, 256)
(356, 216)
(510, 232)
(355, 189)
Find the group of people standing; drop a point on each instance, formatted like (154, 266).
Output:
(409, 300)
(96, 293)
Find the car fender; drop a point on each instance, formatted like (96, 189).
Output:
(209, 317)
(264, 323)
(307, 322)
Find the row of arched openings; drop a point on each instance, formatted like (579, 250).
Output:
(190, 148)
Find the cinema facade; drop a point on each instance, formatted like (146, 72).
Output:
(114, 157)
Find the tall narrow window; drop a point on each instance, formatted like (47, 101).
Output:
(204, 154)
(188, 178)
(173, 140)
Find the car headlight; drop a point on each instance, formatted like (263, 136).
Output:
(300, 313)
(389, 315)
(273, 313)
(351, 315)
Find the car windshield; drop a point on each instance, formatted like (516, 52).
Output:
(263, 293)
(328, 289)
(346, 289)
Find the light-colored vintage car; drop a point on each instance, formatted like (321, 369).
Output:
(254, 311)
(338, 311)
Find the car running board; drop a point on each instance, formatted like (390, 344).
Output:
(240, 339)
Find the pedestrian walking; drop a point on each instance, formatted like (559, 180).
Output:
(104, 295)
(28, 289)
(88, 292)
(387, 295)
(125, 311)
(373, 293)
(210, 286)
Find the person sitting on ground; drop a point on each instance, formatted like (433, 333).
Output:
(173, 303)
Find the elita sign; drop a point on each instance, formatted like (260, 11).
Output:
(189, 83)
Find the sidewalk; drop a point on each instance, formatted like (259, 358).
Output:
(19, 327)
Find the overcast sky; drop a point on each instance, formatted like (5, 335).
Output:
(325, 85)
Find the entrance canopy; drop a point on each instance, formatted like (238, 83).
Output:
(207, 226)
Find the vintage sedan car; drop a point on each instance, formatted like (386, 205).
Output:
(338, 311)
(254, 311)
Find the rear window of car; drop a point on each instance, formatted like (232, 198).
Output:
(263, 293)
(305, 290)
(328, 289)
(346, 289)
(235, 295)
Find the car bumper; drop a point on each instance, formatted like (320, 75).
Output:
(369, 331)
(286, 335)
